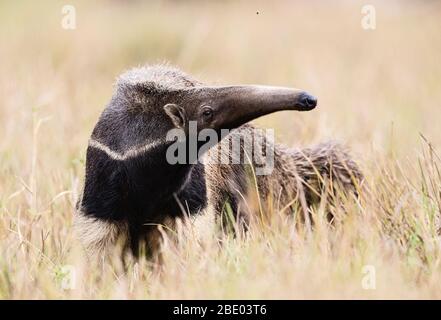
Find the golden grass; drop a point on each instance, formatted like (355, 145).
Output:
(379, 92)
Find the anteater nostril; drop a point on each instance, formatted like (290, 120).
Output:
(308, 101)
(311, 101)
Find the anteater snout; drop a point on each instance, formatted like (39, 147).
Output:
(307, 102)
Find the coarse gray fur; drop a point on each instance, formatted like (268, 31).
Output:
(130, 188)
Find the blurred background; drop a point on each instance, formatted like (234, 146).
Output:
(378, 90)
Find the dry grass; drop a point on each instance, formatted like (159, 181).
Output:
(378, 92)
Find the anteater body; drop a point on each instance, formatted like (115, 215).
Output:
(131, 188)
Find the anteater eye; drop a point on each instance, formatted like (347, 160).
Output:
(207, 112)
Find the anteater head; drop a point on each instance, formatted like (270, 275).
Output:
(149, 101)
(127, 175)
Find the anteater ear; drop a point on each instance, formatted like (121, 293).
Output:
(176, 114)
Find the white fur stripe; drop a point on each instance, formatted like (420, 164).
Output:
(129, 154)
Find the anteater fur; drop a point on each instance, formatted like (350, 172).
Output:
(130, 188)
